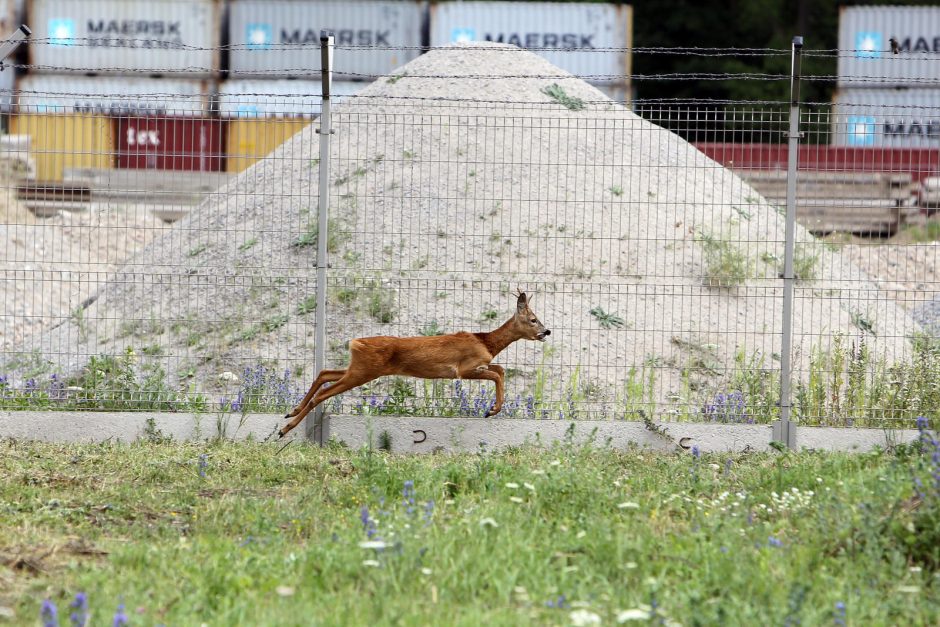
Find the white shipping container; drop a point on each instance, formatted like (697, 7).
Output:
(253, 98)
(155, 37)
(897, 118)
(281, 38)
(112, 95)
(571, 35)
(865, 55)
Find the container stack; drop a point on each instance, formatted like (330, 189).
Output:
(121, 83)
(889, 94)
(218, 84)
(273, 87)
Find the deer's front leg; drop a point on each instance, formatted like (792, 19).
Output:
(495, 374)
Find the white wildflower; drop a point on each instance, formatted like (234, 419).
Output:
(285, 591)
(630, 565)
(634, 614)
(512, 485)
(515, 499)
(579, 618)
(628, 505)
(488, 522)
(538, 471)
(909, 589)
(581, 534)
(228, 376)
(916, 569)
(371, 563)
(426, 571)
(372, 544)
(528, 486)
(555, 462)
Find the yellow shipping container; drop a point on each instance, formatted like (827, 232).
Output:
(252, 139)
(60, 141)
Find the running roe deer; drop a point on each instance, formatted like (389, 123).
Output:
(456, 356)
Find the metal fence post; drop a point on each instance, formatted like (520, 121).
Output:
(315, 428)
(784, 430)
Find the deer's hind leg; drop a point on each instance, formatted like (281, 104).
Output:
(325, 376)
(345, 380)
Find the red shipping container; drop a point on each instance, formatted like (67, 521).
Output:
(166, 143)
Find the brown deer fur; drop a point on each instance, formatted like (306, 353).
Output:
(456, 356)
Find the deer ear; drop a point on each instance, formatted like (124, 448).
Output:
(522, 302)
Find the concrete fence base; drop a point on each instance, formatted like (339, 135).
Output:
(429, 435)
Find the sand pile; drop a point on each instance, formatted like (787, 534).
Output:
(442, 206)
(52, 265)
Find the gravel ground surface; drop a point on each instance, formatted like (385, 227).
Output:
(53, 264)
(441, 208)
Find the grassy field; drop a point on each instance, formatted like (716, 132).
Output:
(247, 534)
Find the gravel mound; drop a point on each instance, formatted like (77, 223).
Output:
(54, 264)
(442, 206)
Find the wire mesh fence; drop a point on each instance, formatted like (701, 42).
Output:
(160, 238)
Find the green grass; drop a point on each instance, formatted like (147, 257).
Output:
(605, 319)
(557, 93)
(725, 264)
(930, 232)
(249, 534)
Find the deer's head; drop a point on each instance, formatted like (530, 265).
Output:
(526, 322)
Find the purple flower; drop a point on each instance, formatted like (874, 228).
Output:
(368, 524)
(838, 616)
(558, 603)
(203, 465)
(79, 617)
(774, 542)
(49, 614)
(120, 617)
(428, 512)
(696, 453)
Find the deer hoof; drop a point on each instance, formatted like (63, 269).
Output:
(492, 413)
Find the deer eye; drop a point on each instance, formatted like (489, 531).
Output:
(533, 320)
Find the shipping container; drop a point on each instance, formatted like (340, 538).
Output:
(58, 141)
(281, 38)
(251, 98)
(169, 143)
(587, 39)
(899, 118)
(249, 140)
(112, 95)
(154, 37)
(865, 50)
(264, 114)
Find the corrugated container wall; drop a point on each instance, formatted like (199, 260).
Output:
(251, 98)
(155, 37)
(898, 118)
(8, 24)
(112, 95)
(281, 38)
(570, 35)
(866, 59)
(263, 114)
